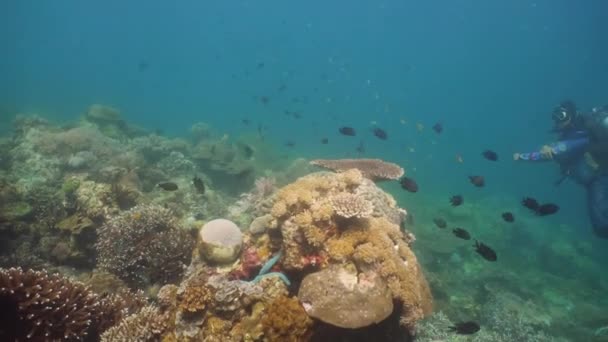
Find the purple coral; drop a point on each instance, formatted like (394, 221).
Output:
(144, 245)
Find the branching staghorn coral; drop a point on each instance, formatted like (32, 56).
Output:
(144, 245)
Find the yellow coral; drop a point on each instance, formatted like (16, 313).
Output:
(339, 249)
(286, 320)
(194, 298)
(352, 177)
(279, 209)
(303, 218)
(314, 235)
(322, 211)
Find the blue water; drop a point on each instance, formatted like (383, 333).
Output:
(489, 71)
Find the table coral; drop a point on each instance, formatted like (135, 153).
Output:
(374, 169)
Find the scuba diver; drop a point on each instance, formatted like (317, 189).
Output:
(581, 150)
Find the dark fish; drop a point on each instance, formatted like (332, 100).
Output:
(439, 222)
(456, 200)
(324, 141)
(438, 127)
(290, 144)
(490, 155)
(485, 251)
(198, 184)
(282, 87)
(478, 181)
(380, 133)
(246, 122)
(530, 203)
(408, 184)
(168, 186)
(264, 100)
(547, 209)
(508, 217)
(465, 328)
(461, 233)
(349, 131)
(260, 65)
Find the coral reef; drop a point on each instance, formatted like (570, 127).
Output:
(310, 226)
(143, 246)
(374, 169)
(86, 196)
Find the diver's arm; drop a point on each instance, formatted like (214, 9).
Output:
(562, 148)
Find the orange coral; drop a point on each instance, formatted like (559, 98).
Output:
(286, 320)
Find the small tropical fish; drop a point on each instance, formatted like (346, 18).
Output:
(408, 184)
(547, 209)
(485, 251)
(168, 186)
(530, 203)
(490, 155)
(246, 122)
(264, 100)
(380, 133)
(260, 65)
(465, 328)
(290, 143)
(419, 127)
(198, 184)
(439, 222)
(478, 181)
(459, 158)
(438, 128)
(348, 131)
(508, 217)
(456, 200)
(324, 141)
(461, 233)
